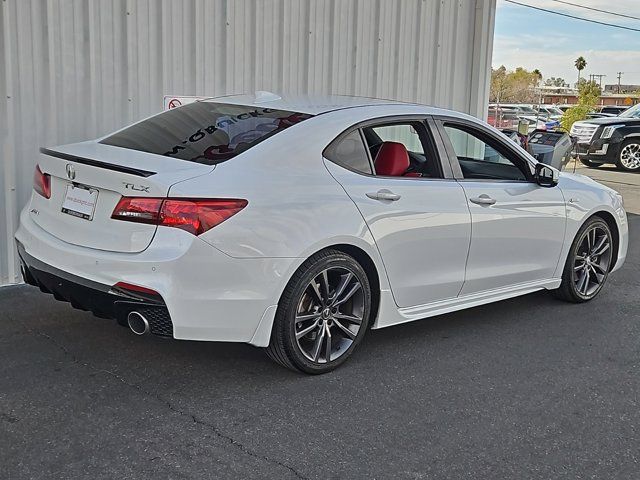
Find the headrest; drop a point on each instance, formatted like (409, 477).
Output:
(392, 159)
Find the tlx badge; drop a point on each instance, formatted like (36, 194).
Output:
(137, 188)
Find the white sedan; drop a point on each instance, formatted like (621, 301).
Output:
(298, 223)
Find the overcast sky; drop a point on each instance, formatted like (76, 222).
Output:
(533, 39)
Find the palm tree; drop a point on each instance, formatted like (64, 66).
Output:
(580, 64)
(537, 75)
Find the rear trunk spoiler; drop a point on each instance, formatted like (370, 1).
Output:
(96, 163)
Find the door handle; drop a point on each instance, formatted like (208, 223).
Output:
(483, 199)
(384, 194)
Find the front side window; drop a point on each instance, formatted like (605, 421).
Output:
(480, 159)
(205, 132)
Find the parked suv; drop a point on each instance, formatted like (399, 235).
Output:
(610, 140)
(613, 110)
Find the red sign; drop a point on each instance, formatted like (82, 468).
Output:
(174, 102)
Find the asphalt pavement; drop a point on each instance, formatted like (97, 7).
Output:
(526, 388)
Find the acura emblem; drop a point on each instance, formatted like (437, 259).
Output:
(71, 172)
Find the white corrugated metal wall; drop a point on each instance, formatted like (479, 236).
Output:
(76, 69)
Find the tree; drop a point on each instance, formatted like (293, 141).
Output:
(555, 82)
(581, 83)
(589, 93)
(537, 75)
(498, 89)
(580, 64)
(513, 86)
(588, 96)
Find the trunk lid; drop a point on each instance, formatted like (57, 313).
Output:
(91, 173)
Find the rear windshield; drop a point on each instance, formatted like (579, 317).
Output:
(205, 132)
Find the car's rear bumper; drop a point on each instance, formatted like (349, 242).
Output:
(208, 295)
(102, 300)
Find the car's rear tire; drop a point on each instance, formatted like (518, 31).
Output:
(589, 163)
(588, 263)
(629, 156)
(322, 315)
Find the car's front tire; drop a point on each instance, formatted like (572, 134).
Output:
(322, 315)
(588, 263)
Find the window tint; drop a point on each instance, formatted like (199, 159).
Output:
(350, 152)
(205, 132)
(414, 157)
(633, 112)
(479, 159)
(405, 134)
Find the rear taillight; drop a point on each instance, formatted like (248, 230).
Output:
(42, 182)
(198, 216)
(138, 209)
(195, 216)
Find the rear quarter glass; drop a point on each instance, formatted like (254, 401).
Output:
(205, 132)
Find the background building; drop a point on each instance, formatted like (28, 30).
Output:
(72, 70)
(622, 88)
(621, 99)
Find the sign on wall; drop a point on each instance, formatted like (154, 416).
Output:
(174, 101)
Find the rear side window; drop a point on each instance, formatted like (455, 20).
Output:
(349, 151)
(205, 132)
(402, 133)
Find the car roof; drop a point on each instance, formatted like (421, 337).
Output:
(303, 103)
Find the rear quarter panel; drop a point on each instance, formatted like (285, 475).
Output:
(296, 207)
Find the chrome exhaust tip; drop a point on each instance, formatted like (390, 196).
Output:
(137, 323)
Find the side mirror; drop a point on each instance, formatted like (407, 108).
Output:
(546, 175)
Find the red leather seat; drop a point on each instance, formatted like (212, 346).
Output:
(392, 159)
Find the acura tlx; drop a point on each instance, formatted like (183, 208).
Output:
(297, 223)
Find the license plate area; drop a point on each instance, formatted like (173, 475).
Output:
(80, 201)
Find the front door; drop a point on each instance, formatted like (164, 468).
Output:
(517, 226)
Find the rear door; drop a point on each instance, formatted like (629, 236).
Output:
(518, 226)
(420, 222)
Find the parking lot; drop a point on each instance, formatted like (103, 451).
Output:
(525, 388)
